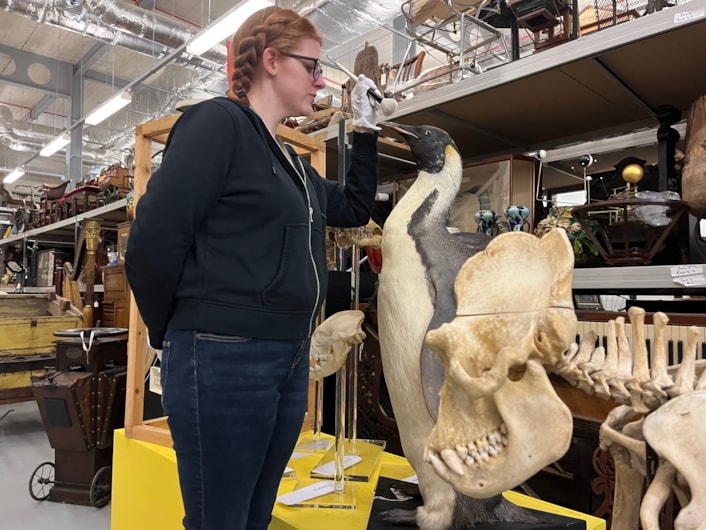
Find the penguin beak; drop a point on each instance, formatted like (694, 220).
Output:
(404, 130)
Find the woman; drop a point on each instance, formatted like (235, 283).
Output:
(226, 259)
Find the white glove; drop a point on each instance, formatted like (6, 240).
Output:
(365, 108)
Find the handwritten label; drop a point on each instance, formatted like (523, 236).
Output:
(686, 270)
(690, 281)
(304, 494)
(686, 16)
(328, 469)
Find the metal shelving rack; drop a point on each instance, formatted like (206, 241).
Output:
(67, 229)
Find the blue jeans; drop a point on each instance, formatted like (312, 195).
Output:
(235, 408)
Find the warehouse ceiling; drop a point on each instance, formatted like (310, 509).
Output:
(55, 52)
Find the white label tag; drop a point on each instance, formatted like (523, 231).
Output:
(686, 16)
(690, 281)
(304, 494)
(686, 270)
(329, 468)
(316, 446)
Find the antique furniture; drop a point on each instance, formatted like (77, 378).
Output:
(27, 325)
(621, 238)
(123, 234)
(81, 402)
(116, 296)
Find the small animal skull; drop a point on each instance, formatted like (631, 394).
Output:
(332, 340)
(500, 420)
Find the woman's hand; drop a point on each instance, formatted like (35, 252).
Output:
(365, 108)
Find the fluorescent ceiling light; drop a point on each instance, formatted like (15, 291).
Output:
(108, 108)
(12, 177)
(56, 144)
(224, 27)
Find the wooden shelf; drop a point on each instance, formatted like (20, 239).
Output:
(651, 279)
(65, 230)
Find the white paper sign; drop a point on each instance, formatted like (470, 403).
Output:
(686, 270)
(686, 16)
(329, 468)
(304, 494)
(690, 281)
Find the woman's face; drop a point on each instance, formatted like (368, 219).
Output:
(296, 83)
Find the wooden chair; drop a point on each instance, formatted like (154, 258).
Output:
(403, 72)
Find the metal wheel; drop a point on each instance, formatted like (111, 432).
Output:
(100, 487)
(41, 481)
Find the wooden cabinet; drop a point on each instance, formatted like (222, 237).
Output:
(116, 297)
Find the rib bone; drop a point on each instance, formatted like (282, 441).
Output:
(660, 378)
(684, 380)
(640, 369)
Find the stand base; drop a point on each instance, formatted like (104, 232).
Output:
(312, 444)
(340, 500)
(401, 496)
(369, 451)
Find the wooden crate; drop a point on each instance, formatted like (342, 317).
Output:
(156, 430)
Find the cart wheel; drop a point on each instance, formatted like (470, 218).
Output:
(41, 481)
(100, 487)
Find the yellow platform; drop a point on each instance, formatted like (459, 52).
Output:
(146, 493)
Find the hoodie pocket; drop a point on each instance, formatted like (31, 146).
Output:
(293, 287)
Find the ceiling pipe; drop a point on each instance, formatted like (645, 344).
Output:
(27, 140)
(118, 24)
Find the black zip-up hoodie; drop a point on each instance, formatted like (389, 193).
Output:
(230, 239)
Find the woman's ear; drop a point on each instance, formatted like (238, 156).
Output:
(269, 60)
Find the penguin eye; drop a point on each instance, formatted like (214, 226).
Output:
(428, 133)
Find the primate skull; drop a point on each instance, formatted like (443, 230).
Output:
(332, 340)
(500, 420)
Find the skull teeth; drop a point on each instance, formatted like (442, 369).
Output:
(477, 451)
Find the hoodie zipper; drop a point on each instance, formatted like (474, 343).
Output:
(302, 178)
(311, 253)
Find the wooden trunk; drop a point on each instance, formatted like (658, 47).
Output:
(693, 179)
(27, 340)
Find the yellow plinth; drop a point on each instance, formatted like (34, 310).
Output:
(146, 493)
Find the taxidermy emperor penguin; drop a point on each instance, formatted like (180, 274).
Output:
(420, 261)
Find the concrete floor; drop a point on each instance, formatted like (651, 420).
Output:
(23, 446)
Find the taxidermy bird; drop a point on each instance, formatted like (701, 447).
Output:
(420, 261)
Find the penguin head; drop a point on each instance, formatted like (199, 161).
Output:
(428, 144)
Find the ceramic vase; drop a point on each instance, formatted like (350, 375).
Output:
(486, 220)
(516, 217)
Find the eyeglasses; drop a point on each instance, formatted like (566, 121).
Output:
(315, 70)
